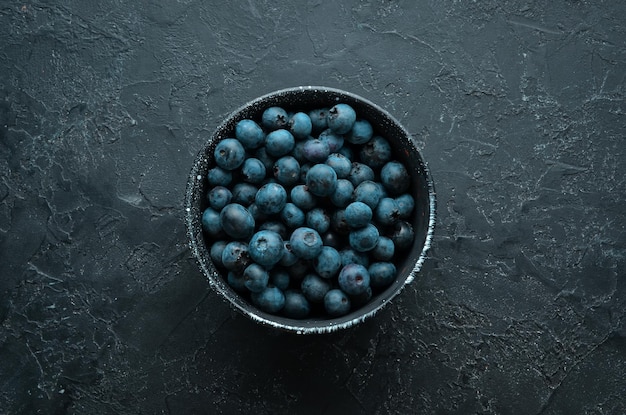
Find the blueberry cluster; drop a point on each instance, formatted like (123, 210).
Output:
(307, 211)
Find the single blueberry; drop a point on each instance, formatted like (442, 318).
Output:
(243, 193)
(336, 303)
(350, 256)
(360, 133)
(216, 253)
(301, 197)
(403, 235)
(292, 215)
(315, 150)
(218, 197)
(250, 134)
(287, 171)
(279, 143)
(318, 219)
(395, 177)
(280, 278)
(343, 193)
(314, 288)
(406, 204)
(267, 160)
(237, 221)
(332, 139)
(300, 125)
(289, 258)
(217, 176)
(341, 118)
(235, 256)
(298, 152)
(256, 213)
(318, 118)
(296, 305)
(354, 279)
(271, 300)
(266, 248)
(211, 222)
(364, 239)
(376, 152)
(382, 274)
(271, 198)
(340, 163)
(255, 277)
(229, 154)
(384, 249)
(306, 243)
(236, 281)
(275, 226)
(358, 215)
(253, 170)
(359, 173)
(338, 222)
(368, 192)
(328, 263)
(274, 118)
(387, 212)
(321, 180)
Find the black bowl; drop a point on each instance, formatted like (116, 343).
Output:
(305, 99)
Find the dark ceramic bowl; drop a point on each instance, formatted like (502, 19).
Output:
(305, 99)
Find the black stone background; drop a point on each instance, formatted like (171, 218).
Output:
(518, 107)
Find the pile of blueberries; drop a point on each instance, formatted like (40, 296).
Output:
(307, 211)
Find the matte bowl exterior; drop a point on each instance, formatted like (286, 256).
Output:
(305, 99)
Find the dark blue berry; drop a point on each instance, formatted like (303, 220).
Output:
(315, 150)
(318, 219)
(266, 248)
(229, 154)
(301, 197)
(296, 305)
(250, 134)
(274, 118)
(237, 221)
(314, 288)
(360, 133)
(256, 213)
(376, 152)
(287, 171)
(300, 125)
(266, 159)
(255, 277)
(395, 177)
(368, 192)
(354, 279)
(292, 215)
(321, 180)
(406, 204)
(336, 303)
(275, 226)
(219, 196)
(340, 163)
(350, 256)
(403, 235)
(384, 249)
(318, 119)
(253, 170)
(235, 256)
(338, 222)
(364, 239)
(236, 281)
(211, 222)
(358, 215)
(271, 198)
(343, 193)
(279, 143)
(341, 118)
(382, 274)
(328, 263)
(216, 253)
(387, 212)
(289, 258)
(280, 278)
(332, 139)
(306, 243)
(270, 300)
(243, 193)
(359, 173)
(217, 176)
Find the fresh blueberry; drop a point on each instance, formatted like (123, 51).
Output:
(338, 222)
(229, 154)
(298, 152)
(406, 204)
(306, 242)
(270, 300)
(350, 256)
(301, 197)
(235, 256)
(384, 249)
(267, 160)
(336, 303)
(287, 171)
(237, 221)
(321, 180)
(354, 279)
(253, 170)
(314, 288)
(292, 215)
(332, 139)
(318, 219)
(359, 173)
(340, 163)
(266, 248)
(219, 196)
(279, 143)
(364, 239)
(343, 193)
(256, 278)
(280, 278)
(249, 134)
(358, 215)
(382, 274)
(395, 177)
(341, 118)
(216, 253)
(275, 226)
(360, 133)
(403, 235)
(296, 305)
(300, 125)
(319, 120)
(387, 212)
(271, 198)
(289, 258)
(243, 193)
(211, 222)
(274, 118)
(328, 263)
(368, 192)
(376, 152)
(316, 150)
(217, 176)
(236, 281)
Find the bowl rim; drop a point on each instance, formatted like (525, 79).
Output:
(196, 245)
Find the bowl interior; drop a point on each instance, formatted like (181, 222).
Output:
(305, 99)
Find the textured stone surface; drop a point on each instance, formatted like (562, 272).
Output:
(518, 106)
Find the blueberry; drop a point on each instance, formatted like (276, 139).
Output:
(343, 193)
(359, 173)
(387, 212)
(336, 303)
(395, 177)
(406, 204)
(315, 150)
(354, 279)
(253, 170)
(360, 133)
(301, 197)
(328, 263)
(279, 143)
(271, 198)
(275, 226)
(237, 221)
(243, 193)
(332, 139)
(216, 253)
(350, 256)
(340, 163)
(382, 274)
(255, 277)
(384, 249)
(267, 160)
(296, 305)
(368, 192)
(292, 215)
(289, 258)
(256, 213)
(403, 235)
(318, 119)
(358, 215)
(306, 243)
(236, 281)
(249, 134)
(229, 154)
(341, 118)
(211, 222)
(338, 222)
(266, 248)
(300, 125)
(321, 180)
(274, 118)
(376, 152)
(318, 219)
(364, 239)
(280, 278)
(314, 288)
(270, 300)
(298, 152)
(235, 256)
(347, 152)
(219, 196)
(217, 176)
(287, 171)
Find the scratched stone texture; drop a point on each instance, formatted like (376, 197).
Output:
(517, 106)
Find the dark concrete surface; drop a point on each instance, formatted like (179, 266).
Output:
(518, 107)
